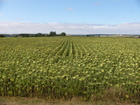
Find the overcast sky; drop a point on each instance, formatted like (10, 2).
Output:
(70, 16)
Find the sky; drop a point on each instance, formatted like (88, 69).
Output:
(70, 16)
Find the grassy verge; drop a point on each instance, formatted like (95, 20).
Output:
(74, 101)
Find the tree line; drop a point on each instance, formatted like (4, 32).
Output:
(52, 33)
(1, 35)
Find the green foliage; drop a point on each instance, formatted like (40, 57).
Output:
(39, 35)
(63, 34)
(64, 67)
(1, 35)
(52, 33)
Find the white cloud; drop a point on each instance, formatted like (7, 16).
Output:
(28, 27)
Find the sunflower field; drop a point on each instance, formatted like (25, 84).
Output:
(67, 67)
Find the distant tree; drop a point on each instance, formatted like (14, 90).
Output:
(1, 35)
(39, 35)
(46, 35)
(63, 34)
(52, 33)
(24, 35)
